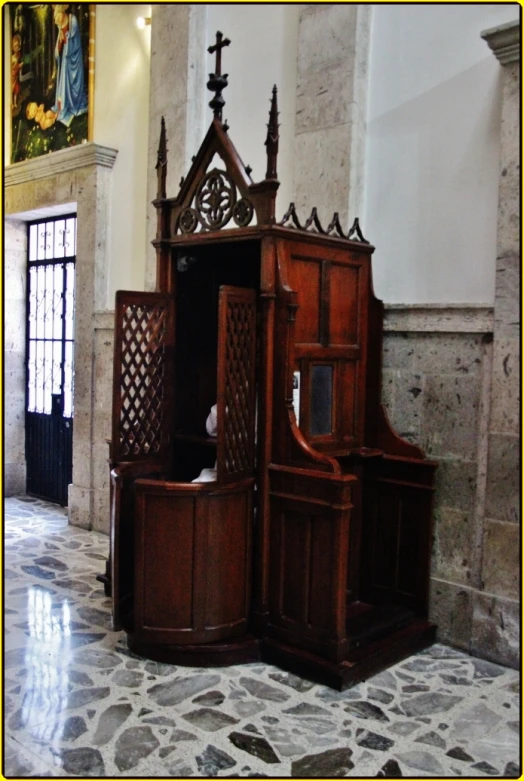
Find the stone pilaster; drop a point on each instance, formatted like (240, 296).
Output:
(78, 178)
(332, 72)
(15, 258)
(495, 625)
(177, 93)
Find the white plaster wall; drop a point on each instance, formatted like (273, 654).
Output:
(263, 51)
(122, 60)
(431, 182)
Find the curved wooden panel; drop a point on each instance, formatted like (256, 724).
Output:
(192, 561)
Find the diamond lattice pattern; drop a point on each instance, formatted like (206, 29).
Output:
(238, 390)
(142, 379)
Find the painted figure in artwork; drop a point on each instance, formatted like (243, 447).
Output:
(16, 67)
(71, 95)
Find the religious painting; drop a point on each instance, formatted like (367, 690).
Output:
(52, 80)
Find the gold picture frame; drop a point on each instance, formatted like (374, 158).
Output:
(52, 77)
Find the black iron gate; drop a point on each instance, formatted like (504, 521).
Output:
(49, 385)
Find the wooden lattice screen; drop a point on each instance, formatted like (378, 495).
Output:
(144, 352)
(236, 383)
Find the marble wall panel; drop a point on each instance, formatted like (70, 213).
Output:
(324, 97)
(15, 243)
(501, 544)
(456, 483)
(321, 173)
(496, 618)
(14, 478)
(177, 92)
(101, 512)
(80, 506)
(505, 402)
(508, 233)
(475, 563)
(101, 468)
(82, 462)
(450, 422)
(452, 553)
(14, 444)
(507, 287)
(327, 36)
(503, 480)
(332, 68)
(495, 629)
(451, 609)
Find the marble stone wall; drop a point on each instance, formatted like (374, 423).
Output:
(79, 178)
(496, 611)
(15, 253)
(332, 69)
(437, 386)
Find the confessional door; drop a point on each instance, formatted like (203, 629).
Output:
(182, 550)
(143, 373)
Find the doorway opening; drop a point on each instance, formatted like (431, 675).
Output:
(49, 356)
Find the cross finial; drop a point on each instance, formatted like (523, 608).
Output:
(219, 45)
(218, 80)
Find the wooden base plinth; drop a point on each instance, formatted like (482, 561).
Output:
(360, 664)
(241, 650)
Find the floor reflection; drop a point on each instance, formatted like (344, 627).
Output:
(46, 664)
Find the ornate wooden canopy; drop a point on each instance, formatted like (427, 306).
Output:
(210, 198)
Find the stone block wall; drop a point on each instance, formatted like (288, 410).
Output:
(330, 117)
(496, 611)
(437, 389)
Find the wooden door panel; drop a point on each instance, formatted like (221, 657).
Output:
(305, 275)
(168, 553)
(344, 304)
(396, 532)
(236, 391)
(142, 376)
(309, 538)
(228, 554)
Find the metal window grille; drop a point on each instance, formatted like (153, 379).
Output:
(50, 307)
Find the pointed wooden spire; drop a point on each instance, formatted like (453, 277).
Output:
(272, 137)
(161, 162)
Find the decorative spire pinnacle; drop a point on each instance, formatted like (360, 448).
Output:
(272, 137)
(161, 161)
(218, 80)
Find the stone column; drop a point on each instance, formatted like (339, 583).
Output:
(495, 626)
(177, 92)
(332, 78)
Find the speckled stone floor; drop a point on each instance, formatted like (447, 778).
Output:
(78, 703)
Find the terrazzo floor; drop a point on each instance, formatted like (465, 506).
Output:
(78, 703)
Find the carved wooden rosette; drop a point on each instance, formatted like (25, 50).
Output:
(209, 200)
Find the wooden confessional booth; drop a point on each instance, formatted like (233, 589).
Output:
(309, 546)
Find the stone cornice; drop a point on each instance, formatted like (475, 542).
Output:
(59, 162)
(504, 41)
(439, 318)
